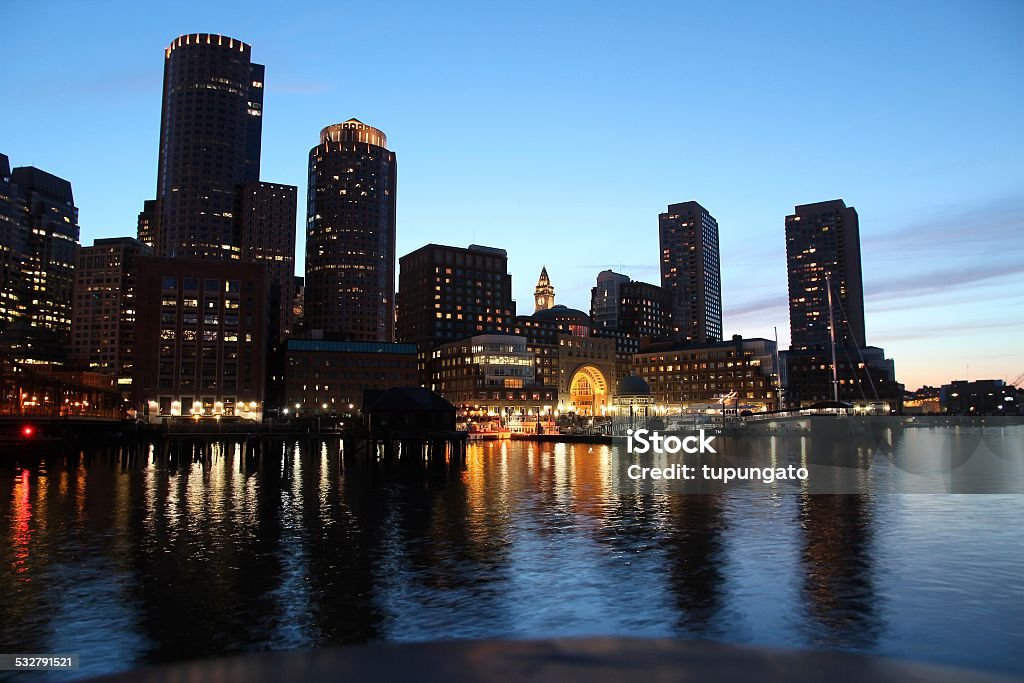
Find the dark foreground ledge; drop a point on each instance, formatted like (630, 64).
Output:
(591, 660)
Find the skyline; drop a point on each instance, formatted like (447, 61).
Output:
(933, 138)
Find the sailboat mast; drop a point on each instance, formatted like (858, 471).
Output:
(832, 335)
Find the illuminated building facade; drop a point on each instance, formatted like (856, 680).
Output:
(267, 216)
(542, 341)
(146, 228)
(574, 320)
(824, 239)
(200, 338)
(350, 234)
(691, 272)
(822, 242)
(586, 374)
(38, 247)
(866, 378)
(334, 373)
(544, 292)
(605, 299)
(491, 374)
(696, 377)
(13, 289)
(451, 293)
(980, 397)
(104, 310)
(638, 308)
(210, 137)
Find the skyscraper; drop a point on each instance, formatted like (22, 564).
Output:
(38, 248)
(544, 293)
(350, 234)
(822, 244)
(691, 272)
(210, 135)
(824, 239)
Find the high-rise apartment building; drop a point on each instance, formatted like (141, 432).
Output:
(38, 247)
(103, 314)
(823, 239)
(450, 293)
(210, 136)
(266, 215)
(691, 271)
(350, 234)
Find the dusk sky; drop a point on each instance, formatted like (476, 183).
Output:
(559, 132)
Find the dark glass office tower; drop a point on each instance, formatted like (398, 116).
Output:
(350, 234)
(210, 130)
(691, 274)
(821, 239)
(38, 249)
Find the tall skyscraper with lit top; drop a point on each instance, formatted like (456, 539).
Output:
(211, 128)
(350, 234)
(691, 273)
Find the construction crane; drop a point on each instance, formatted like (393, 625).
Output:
(1017, 381)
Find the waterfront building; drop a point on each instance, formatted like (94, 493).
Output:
(740, 374)
(544, 293)
(823, 239)
(54, 390)
(450, 293)
(924, 401)
(586, 374)
(583, 365)
(317, 375)
(211, 128)
(626, 346)
(980, 397)
(824, 266)
(200, 338)
(865, 378)
(542, 341)
(266, 214)
(492, 375)
(350, 234)
(38, 247)
(691, 272)
(104, 307)
(632, 404)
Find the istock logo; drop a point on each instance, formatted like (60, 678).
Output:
(639, 442)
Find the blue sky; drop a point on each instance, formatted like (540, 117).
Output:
(559, 132)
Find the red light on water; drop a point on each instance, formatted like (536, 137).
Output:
(28, 431)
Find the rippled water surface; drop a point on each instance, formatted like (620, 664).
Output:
(135, 560)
